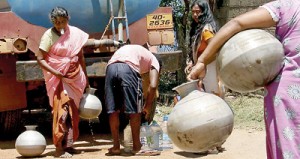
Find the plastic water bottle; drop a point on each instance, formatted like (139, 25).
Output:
(157, 136)
(146, 136)
(143, 136)
(128, 139)
(166, 141)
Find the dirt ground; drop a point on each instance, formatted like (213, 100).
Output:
(241, 144)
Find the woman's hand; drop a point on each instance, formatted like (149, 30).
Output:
(188, 68)
(197, 72)
(86, 87)
(58, 74)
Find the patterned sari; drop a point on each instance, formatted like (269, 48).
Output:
(282, 96)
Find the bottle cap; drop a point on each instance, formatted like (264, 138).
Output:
(154, 122)
(165, 118)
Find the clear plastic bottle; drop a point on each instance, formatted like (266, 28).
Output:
(157, 136)
(146, 136)
(166, 141)
(143, 137)
(128, 143)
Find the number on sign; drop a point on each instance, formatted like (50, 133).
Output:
(157, 17)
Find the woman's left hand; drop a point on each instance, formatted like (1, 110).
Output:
(58, 74)
(87, 86)
(198, 72)
(188, 68)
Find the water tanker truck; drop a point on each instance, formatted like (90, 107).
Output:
(23, 22)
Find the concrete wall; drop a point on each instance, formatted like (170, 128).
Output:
(233, 8)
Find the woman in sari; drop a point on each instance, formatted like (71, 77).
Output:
(62, 61)
(282, 95)
(203, 30)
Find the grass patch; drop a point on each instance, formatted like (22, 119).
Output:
(248, 111)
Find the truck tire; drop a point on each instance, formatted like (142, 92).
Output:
(10, 123)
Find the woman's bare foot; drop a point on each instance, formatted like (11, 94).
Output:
(72, 150)
(113, 152)
(136, 149)
(62, 154)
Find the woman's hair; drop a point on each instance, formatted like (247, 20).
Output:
(58, 12)
(205, 18)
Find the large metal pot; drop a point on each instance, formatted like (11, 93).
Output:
(250, 60)
(200, 121)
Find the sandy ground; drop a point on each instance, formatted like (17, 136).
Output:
(241, 144)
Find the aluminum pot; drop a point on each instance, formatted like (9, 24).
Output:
(90, 106)
(30, 143)
(185, 88)
(250, 60)
(200, 121)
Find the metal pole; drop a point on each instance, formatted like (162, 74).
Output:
(120, 25)
(113, 20)
(126, 20)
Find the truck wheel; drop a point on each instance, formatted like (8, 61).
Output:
(10, 123)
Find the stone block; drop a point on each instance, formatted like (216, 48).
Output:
(249, 3)
(233, 3)
(171, 61)
(95, 66)
(29, 71)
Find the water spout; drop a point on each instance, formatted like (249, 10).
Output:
(186, 88)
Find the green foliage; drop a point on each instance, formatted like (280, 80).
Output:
(167, 81)
(178, 10)
(179, 16)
